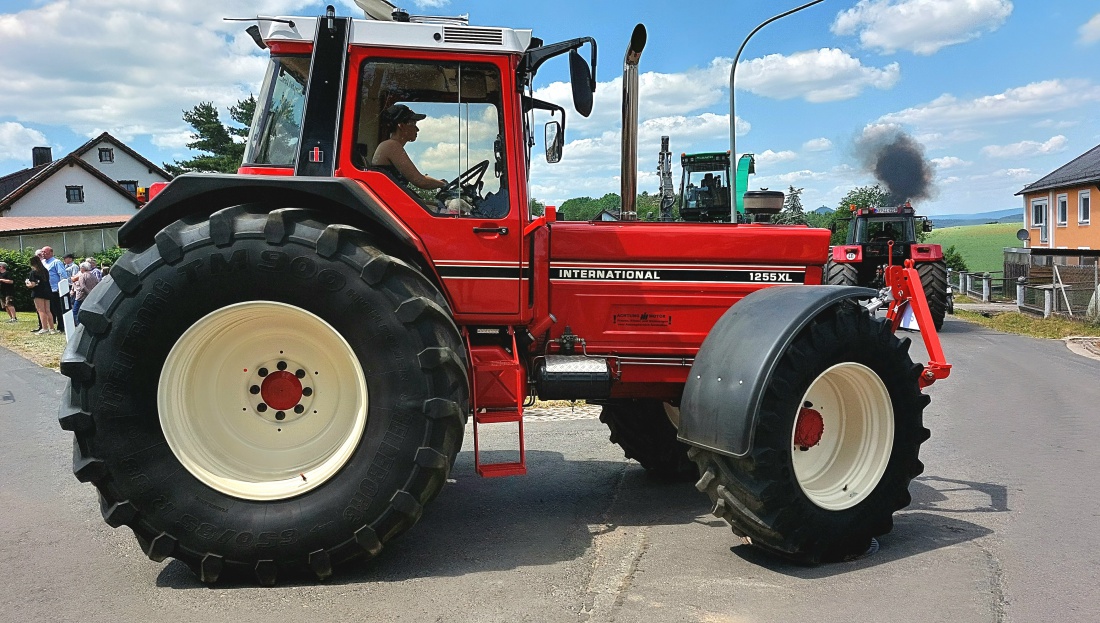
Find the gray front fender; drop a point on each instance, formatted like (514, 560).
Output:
(721, 400)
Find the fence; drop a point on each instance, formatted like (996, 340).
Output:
(1060, 290)
(985, 287)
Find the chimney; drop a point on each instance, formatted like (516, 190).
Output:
(41, 156)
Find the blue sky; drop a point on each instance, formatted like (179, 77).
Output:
(998, 93)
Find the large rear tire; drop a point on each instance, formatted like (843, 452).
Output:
(933, 279)
(264, 395)
(841, 274)
(643, 430)
(821, 493)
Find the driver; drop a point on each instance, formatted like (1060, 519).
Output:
(399, 121)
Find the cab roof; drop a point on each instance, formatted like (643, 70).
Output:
(423, 36)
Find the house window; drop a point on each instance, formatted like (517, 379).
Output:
(130, 186)
(106, 154)
(1063, 210)
(74, 194)
(1083, 207)
(1039, 218)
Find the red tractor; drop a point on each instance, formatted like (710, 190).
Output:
(277, 375)
(878, 237)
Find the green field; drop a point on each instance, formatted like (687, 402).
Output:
(982, 246)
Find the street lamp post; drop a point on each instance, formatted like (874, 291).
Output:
(733, 117)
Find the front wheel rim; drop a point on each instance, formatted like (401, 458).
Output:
(852, 448)
(262, 400)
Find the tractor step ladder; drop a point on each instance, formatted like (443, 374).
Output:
(499, 386)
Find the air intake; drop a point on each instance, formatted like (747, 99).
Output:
(473, 35)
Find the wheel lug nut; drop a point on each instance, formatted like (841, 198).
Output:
(255, 389)
(307, 391)
(299, 408)
(261, 407)
(281, 365)
(300, 373)
(279, 415)
(262, 371)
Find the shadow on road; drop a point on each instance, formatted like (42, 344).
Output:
(924, 526)
(553, 514)
(548, 516)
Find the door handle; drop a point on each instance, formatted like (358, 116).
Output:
(503, 231)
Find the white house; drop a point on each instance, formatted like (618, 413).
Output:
(95, 185)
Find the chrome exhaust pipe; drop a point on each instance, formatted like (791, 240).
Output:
(629, 171)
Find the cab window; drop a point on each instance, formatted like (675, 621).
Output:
(460, 140)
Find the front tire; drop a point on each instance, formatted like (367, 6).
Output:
(837, 274)
(820, 492)
(933, 279)
(264, 395)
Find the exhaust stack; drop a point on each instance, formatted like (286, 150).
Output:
(629, 175)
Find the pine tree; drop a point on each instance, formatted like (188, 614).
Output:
(224, 152)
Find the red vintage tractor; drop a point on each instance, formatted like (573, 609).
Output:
(277, 375)
(880, 236)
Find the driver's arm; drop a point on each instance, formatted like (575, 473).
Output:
(400, 159)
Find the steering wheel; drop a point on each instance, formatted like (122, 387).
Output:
(469, 182)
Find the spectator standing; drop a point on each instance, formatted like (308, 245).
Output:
(7, 292)
(95, 267)
(70, 266)
(38, 281)
(85, 281)
(57, 274)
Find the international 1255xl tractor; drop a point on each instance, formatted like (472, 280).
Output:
(878, 237)
(277, 375)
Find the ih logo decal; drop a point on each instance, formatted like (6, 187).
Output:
(316, 155)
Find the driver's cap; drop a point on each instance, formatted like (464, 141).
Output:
(400, 113)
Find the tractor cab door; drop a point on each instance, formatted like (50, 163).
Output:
(449, 118)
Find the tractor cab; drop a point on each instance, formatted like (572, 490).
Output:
(705, 193)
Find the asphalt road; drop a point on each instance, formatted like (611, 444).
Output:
(1003, 526)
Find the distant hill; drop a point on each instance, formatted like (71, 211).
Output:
(1011, 215)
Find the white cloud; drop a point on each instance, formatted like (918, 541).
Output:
(1027, 148)
(430, 4)
(824, 75)
(1090, 31)
(817, 144)
(950, 162)
(920, 26)
(770, 157)
(17, 140)
(100, 65)
(1037, 98)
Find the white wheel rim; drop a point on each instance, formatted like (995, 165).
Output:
(220, 427)
(844, 467)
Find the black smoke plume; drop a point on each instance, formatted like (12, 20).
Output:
(897, 161)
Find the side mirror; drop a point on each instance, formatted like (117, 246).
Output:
(580, 77)
(927, 226)
(554, 140)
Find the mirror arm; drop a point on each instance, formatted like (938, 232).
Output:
(534, 58)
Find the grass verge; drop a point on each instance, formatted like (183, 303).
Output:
(1053, 328)
(45, 350)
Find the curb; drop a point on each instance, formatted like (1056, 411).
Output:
(1084, 346)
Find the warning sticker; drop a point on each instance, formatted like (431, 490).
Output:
(643, 319)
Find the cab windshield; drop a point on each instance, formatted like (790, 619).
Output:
(273, 138)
